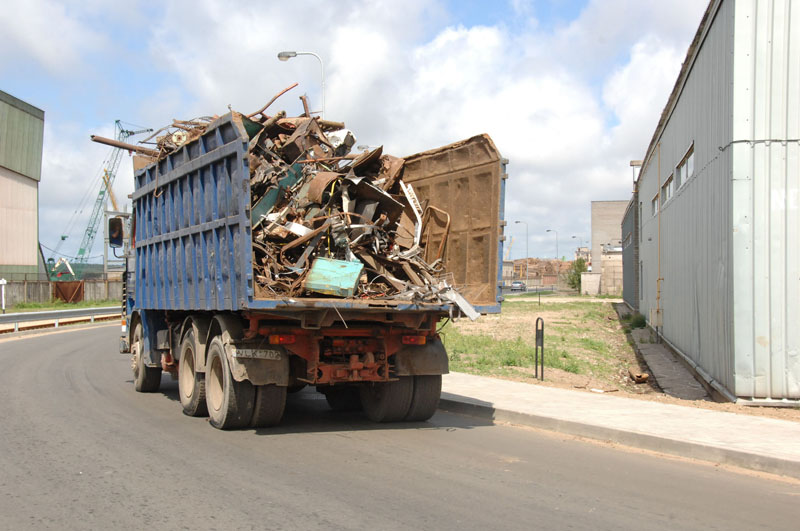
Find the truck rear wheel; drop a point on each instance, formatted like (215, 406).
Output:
(389, 401)
(230, 403)
(425, 398)
(191, 384)
(145, 379)
(269, 405)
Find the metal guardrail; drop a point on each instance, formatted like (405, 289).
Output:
(57, 315)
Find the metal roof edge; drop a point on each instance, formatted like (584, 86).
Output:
(686, 67)
(21, 105)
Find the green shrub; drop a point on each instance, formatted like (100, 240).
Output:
(638, 321)
(574, 274)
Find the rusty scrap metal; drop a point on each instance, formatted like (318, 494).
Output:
(270, 102)
(124, 145)
(315, 207)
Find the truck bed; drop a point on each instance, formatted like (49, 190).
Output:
(193, 235)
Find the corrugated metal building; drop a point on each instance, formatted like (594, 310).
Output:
(21, 133)
(718, 204)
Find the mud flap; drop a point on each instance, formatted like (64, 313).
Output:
(253, 360)
(256, 362)
(423, 360)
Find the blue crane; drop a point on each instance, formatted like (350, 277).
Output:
(110, 165)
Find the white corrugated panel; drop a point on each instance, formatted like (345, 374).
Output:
(766, 198)
(19, 231)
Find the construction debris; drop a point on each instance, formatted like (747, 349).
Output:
(326, 222)
(638, 377)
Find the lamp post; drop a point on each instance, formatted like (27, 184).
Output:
(580, 239)
(553, 230)
(286, 55)
(526, 252)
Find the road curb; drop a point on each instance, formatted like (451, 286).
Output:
(773, 465)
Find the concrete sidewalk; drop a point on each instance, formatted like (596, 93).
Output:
(747, 441)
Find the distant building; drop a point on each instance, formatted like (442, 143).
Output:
(585, 253)
(21, 133)
(539, 271)
(606, 221)
(606, 252)
(508, 272)
(711, 234)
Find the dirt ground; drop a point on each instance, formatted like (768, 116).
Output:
(566, 329)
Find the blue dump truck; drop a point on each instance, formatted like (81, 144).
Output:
(265, 257)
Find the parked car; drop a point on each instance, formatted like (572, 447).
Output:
(518, 285)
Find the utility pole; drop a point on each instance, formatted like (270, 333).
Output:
(553, 230)
(526, 253)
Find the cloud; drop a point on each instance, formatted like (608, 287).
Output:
(48, 33)
(568, 105)
(638, 91)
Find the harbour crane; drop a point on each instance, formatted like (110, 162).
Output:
(110, 166)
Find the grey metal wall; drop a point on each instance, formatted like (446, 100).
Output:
(692, 231)
(766, 189)
(630, 254)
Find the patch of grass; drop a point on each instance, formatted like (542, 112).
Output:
(533, 306)
(485, 355)
(61, 305)
(536, 294)
(582, 337)
(593, 344)
(561, 359)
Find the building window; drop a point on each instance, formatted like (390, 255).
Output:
(685, 168)
(654, 204)
(666, 190)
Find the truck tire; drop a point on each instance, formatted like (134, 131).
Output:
(230, 403)
(343, 398)
(191, 384)
(387, 401)
(425, 398)
(269, 405)
(145, 379)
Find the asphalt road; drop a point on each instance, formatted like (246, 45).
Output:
(79, 449)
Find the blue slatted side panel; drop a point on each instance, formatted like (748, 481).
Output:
(193, 243)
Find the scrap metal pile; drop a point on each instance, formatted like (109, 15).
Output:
(328, 222)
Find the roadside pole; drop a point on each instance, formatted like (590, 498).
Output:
(3, 290)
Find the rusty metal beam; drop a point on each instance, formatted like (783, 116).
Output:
(123, 145)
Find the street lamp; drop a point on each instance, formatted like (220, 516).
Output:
(286, 55)
(580, 239)
(553, 230)
(526, 253)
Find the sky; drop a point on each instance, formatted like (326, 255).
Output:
(569, 90)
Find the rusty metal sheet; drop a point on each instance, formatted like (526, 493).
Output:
(68, 291)
(464, 179)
